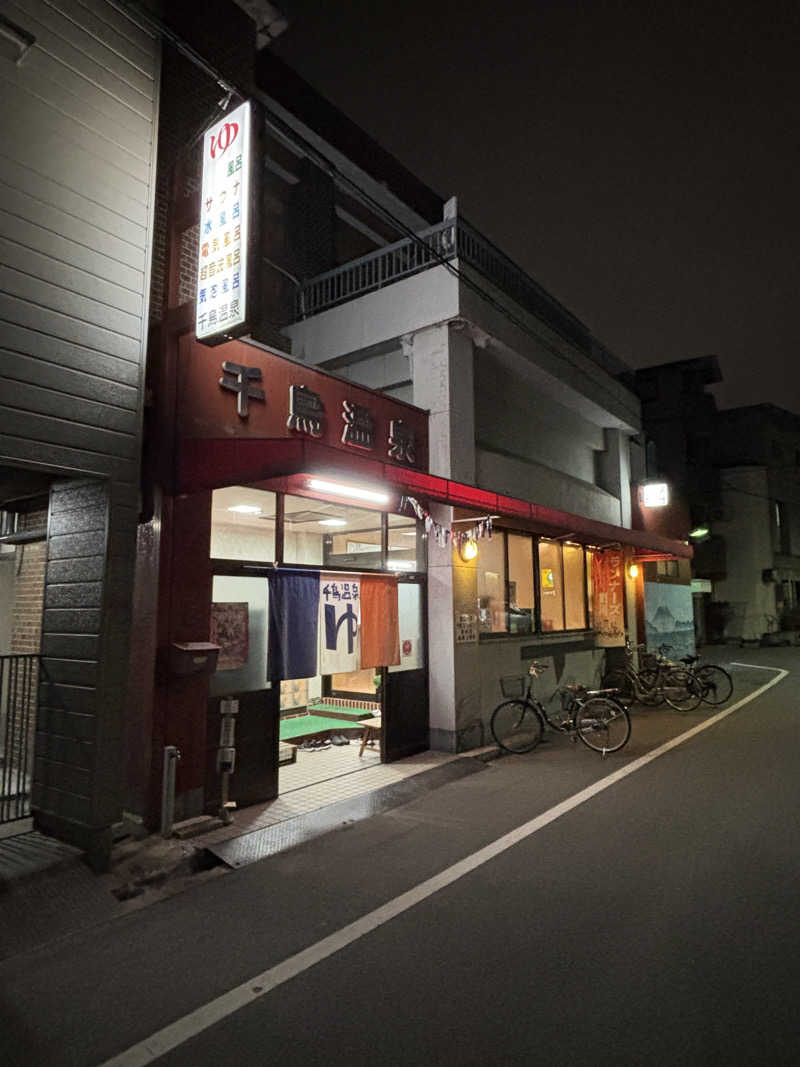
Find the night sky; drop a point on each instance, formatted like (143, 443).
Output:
(640, 161)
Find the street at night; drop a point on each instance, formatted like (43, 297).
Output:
(399, 445)
(653, 922)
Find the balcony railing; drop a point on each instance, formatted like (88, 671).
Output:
(19, 683)
(448, 240)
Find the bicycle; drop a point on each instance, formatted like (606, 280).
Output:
(657, 680)
(594, 716)
(715, 683)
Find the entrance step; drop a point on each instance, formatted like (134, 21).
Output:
(258, 844)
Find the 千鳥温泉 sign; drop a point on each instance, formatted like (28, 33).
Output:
(221, 306)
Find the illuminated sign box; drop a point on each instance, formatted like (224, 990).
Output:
(654, 495)
(221, 305)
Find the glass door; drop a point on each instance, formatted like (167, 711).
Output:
(405, 688)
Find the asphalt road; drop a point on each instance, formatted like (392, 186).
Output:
(653, 923)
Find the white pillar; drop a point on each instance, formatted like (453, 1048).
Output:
(441, 640)
(443, 374)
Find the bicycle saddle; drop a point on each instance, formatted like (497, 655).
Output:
(689, 659)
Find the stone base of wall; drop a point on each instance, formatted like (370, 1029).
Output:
(96, 843)
(443, 740)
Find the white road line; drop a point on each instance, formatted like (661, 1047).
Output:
(753, 666)
(187, 1027)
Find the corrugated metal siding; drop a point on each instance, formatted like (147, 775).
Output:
(77, 162)
(78, 129)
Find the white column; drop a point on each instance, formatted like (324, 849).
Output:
(443, 375)
(441, 639)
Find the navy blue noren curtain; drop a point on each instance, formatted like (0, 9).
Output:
(293, 621)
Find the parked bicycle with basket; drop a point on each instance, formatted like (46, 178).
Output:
(594, 716)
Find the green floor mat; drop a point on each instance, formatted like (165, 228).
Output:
(302, 725)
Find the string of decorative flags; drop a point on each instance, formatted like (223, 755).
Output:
(443, 535)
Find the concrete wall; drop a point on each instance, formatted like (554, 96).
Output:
(383, 316)
(748, 535)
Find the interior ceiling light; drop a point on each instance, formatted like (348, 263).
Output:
(699, 531)
(246, 509)
(350, 491)
(332, 522)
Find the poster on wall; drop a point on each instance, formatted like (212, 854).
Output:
(608, 598)
(669, 618)
(339, 624)
(230, 629)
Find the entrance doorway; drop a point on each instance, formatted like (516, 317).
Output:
(341, 723)
(319, 611)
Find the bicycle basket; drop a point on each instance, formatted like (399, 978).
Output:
(512, 685)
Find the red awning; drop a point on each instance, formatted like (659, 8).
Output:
(213, 463)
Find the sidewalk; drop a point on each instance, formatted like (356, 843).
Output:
(41, 906)
(47, 891)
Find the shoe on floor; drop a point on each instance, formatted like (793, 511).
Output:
(307, 746)
(337, 739)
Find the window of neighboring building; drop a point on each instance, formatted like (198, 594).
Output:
(667, 568)
(514, 585)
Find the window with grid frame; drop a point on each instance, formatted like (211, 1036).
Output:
(533, 585)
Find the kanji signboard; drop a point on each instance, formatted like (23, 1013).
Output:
(221, 307)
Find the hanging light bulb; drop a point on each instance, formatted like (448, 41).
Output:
(468, 550)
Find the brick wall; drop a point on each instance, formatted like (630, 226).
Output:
(29, 566)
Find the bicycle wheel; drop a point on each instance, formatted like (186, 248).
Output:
(603, 724)
(650, 692)
(516, 727)
(620, 680)
(716, 684)
(682, 690)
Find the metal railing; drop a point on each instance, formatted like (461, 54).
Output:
(19, 683)
(383, 267)
(451, 239)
